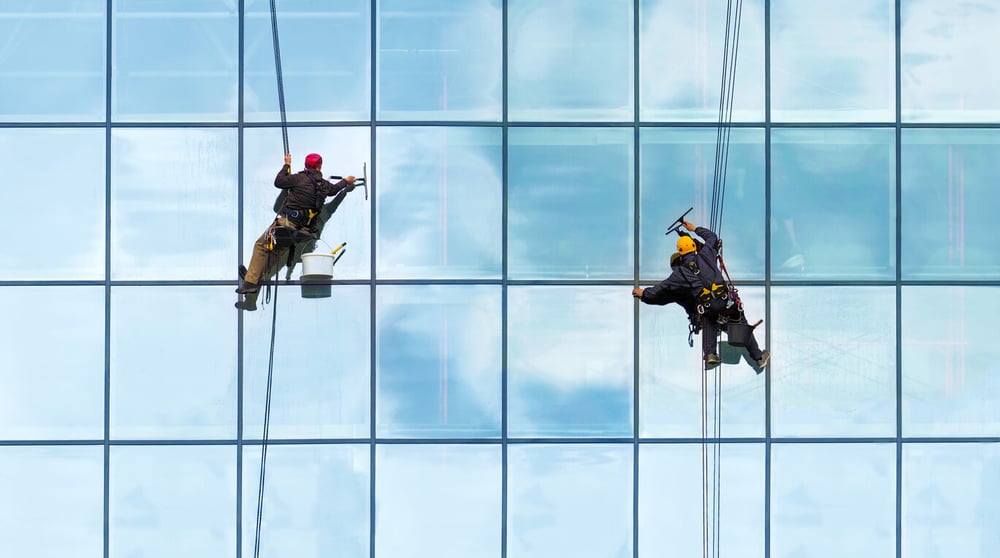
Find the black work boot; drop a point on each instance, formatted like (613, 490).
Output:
(712, 360)
(248, 304)
(247, 288)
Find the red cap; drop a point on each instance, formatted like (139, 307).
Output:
(313, 161)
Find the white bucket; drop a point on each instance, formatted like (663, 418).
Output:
(317, 265)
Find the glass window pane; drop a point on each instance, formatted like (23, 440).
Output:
(438, 361)
(570, 60)
(316, 500)
(943, 63)
(570, 203)
(173, 362)
(158, 78)
(833, 500)
(950, 500)
(440, 203)
(171, 220)
(670, 491)
(52, 61)
(71, 210)
(681, 48)
(833, 61)
(53, 501)
(834, 370)
(345, 151)
(440, 60)
(950, 381)
(325, 50)
(833, 204)
(549, 513)
(670, 375)
(440, 501)
(677, 172)
(569, 359)
(53, 372)
(322, 365)
(168, 501)
(950, 204)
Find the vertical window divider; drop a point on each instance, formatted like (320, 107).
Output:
(372, 214)
(767, 275)
(636, 237)
(108, 65)
(899, 288)
(504, 174)
(240, 108)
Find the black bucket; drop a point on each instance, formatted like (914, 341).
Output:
(316, 290)
(739, 334)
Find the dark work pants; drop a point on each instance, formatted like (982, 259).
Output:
(710, 330)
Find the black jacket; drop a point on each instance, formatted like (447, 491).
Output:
(698, 269)
(307, 189)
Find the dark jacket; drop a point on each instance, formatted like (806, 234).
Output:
(307, 189)
(663, 293)
(698, 269)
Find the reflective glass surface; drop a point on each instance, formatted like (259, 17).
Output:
(557, 51)
(943, 62)
(315, 503)
(320, 378)
(833, 372)
(569, 500)
(670, 386)
(833, 204)
(325, 50)
(681, 53)
(950, 500)
(54, 177)
(671, 483)
(677, 171)
(52, 61)
(950, 381)
(171, 220)
(345, 152)
(168, 501)
(833, 500)
(439, 60)
(158, 78)
(570, 203)
(439, 203)
(53, 372)
(569, 361)
(437, 500)
(53, 501)
(438, 361)
(833, 61)
(950, 203)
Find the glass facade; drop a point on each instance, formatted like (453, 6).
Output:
(478, 381)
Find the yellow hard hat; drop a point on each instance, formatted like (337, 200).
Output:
(685, 245)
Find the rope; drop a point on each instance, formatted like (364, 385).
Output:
(277, 71)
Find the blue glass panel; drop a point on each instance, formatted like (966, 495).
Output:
(569, 361)
(440, 203)
(943, 62)
(58, 234)
(173, 204)
(53, 501)
(833, 500)
(325, 50)
(569, 500)
(52, 61)
(570, 60)
(173, 362)
(345, 152)
(833, 204)
(441, 501)
(950, 204)
(670, 403)
(834, 366)
(678, 172)
(316, 501)
(950, 500)
(158, 78)
(950, 381)
(169, 501)
(833, 61)
(681, 53)
(439, 60)
(52, 341)
(438, 361)
(671, 483)
(322, 365)
(570, 203)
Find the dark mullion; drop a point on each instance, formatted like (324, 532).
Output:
(899, 291)
(504, 280)
(768, 283)
(108, 65)
(636, 237)
(241, 107)
(373, 291)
